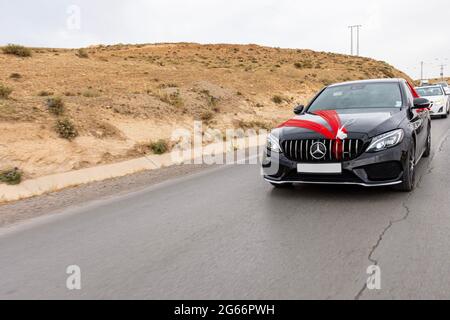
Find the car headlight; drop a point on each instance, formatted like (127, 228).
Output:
(273, 143)
(386, 141)
(439, 102)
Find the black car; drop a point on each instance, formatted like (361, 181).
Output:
(368, 133)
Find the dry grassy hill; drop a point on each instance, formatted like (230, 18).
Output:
(437, 80)
(67, 109)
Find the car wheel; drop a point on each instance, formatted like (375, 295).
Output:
(427, 152)
(282, 186)
(409, 174)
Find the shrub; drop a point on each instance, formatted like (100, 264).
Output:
(211, 100)
(307, 64)
(173, 98)
(44, 93)
(5, 92)
(90, 94)
(388, 72)
(254, 124)
(167, 85)
(15, 76)
(326, 82)
(11, 177)
(17, 50)
(82, 53)
(277, 99)
(55, 106)
(66, 129)
(159, 147)
(206, 115)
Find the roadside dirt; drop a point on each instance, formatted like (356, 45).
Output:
(16, 212)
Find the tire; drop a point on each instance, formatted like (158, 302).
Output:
(282, 186)
(444, 116)
(427, 152)
(409, 174)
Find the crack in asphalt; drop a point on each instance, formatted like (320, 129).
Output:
(440, 148)
(380, 239)
(407, 210)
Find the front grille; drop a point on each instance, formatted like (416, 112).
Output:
(346, 176)
(300, 150)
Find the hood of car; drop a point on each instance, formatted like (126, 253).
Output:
(435, 98)
(358, 123)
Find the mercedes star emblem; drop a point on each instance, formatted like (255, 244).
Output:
(318, 150)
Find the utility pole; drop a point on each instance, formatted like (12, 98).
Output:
(421, 71)
(442, 71)
(442, 65)
(357, 38)
(351, 39)
(357, 32)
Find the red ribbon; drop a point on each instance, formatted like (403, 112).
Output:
(332, 133)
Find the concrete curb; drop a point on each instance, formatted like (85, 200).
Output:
(52, 183)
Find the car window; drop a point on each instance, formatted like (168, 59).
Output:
(409, 94)
(430, 91)
(359, 96)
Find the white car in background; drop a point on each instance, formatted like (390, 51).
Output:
(439, 98)
(445, 86)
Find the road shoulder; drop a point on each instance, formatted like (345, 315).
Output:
(19, 211)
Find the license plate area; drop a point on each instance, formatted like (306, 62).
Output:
(320, 168)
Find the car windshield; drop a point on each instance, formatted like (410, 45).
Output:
(359, 96)
(430, 91)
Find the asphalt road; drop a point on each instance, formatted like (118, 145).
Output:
(226, 234)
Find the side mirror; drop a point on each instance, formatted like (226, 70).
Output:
(299, 109)
(421, 103)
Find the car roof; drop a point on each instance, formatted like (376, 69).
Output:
(387, 80)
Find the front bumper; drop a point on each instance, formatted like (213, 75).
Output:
(383, 168)
(438, 110)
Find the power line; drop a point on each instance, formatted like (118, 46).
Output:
(442, 65)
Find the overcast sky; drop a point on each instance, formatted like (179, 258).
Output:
(401, 32)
